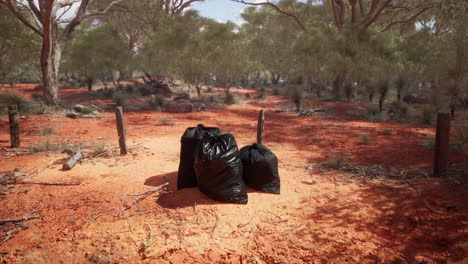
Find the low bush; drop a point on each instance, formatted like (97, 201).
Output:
(427, 115)
(99, 148)
(276, 91)
(166, 121)
(388, 131)
(119, 99)
(47, 130)
(364, 139)
(157, 101)
(230, 99)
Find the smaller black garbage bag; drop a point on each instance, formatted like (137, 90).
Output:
(190, 139)
(219, 169)
(260, 168)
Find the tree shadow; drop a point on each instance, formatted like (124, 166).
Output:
(399, 220)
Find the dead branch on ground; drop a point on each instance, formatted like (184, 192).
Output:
(140, 196)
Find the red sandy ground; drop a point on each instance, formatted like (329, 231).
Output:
(335, 220)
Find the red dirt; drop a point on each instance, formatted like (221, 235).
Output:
(346, 220)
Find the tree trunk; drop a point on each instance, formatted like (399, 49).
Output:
(198, 87)
(50, 63)
(90, 81)
(338, 86)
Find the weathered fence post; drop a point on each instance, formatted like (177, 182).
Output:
(441, 144)
(121, 130)
(14, 125)
(260, 126)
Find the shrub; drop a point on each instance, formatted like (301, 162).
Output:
(349, 90)
(401, 109)
(373, 114)
(460, 138)
(427, 115)
(144, 90)
(247, 96)
(45, 145)
(99, 148)
(107, 92)
(261, 95)
(209, 90)
(336, 162)
(296, 95)
(157, 101)
(262, 89)
(130, 88)
(166, 121)
(119, 99)
(388, 131)
(364, 139)
(12, 98)
(24, 105)
(230, 99)
(276, 91)
(47, 130)
(429, 144)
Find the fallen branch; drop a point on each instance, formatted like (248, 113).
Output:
(124, 208)
(441, 212)
(24, 218)
(73, 160)
(299, 244)
(55, 183)
(280, 221)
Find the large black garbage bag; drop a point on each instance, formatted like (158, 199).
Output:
(189, 142)
(219, 169)
(260, 168)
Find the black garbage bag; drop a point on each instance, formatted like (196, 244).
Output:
(190, 139)
(219, 169)
(260, 168)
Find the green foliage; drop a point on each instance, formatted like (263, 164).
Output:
(388, 131)
(429, 144)
(364, 139)
(98, 52)
(166, 121)
(460, 137)
(230, 99)
(24, 105)
(99, 148)
(119, 99)
(45, 145)
(157, 101)
(427, 115)
(19, 49)
(47, 130)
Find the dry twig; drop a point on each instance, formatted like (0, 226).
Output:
(140, 196)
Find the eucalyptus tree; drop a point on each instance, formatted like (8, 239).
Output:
(18, 48)
(98, 53)
(52, 22)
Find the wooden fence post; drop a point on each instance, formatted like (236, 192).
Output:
(14, 125)
(260, 126)
(121, 130)
(441, 144)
